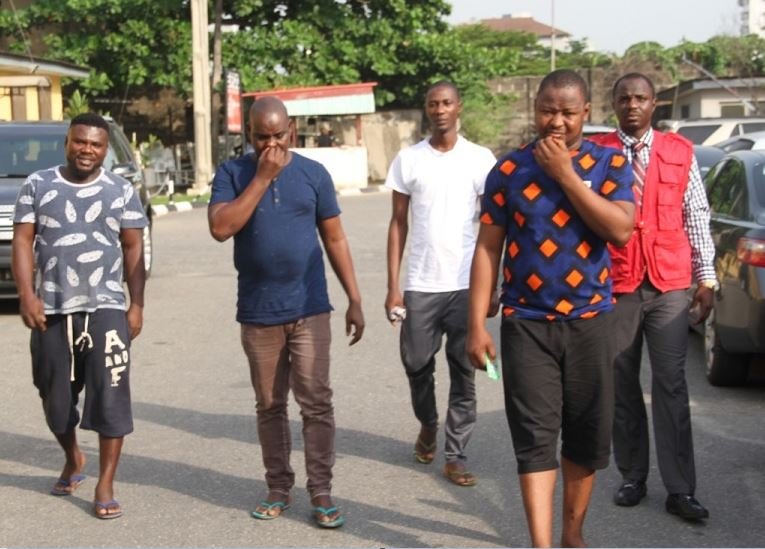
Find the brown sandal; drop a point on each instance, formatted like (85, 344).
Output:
(460, 476)
(424, 453)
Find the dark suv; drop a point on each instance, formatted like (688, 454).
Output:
(735, 331)
(26, 147)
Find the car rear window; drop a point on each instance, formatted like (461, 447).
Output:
(697, 134)
(750, 127)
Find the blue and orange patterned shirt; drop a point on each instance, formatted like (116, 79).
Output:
(555, 267)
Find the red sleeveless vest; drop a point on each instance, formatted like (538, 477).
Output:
(659, 247)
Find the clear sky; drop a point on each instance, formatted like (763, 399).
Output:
(614, 25)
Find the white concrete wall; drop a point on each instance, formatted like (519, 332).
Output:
(709, 102)
(562, 43)
(346, 165)
(383, 135)
(706, 103)
(386, 133)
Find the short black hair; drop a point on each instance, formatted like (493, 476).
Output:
(444, 84)
(90, 119)
(633, 76)
(563, 78)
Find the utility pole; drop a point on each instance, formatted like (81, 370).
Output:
(201, 96)
(217, 72)
(552, 36)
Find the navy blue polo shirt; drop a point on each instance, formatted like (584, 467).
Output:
(277, 253)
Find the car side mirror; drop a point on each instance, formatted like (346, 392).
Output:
(125, 170)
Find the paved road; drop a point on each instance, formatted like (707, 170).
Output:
(191, 472)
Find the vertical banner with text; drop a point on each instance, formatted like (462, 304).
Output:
(233, 102)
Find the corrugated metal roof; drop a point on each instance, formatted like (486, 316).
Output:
(324, 100)
(36, 65)
(708, 84)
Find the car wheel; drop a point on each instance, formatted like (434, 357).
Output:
(148, 249)
(724, 369)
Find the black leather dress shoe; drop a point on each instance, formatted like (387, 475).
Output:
(630, 493)
(686, 506)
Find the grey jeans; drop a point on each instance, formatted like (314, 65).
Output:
(430, 316)
(293, 355)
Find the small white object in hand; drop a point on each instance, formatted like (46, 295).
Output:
(397, 314)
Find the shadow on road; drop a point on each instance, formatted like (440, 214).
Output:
(234, 492)
(392, 523)
(370, 520)
(9, 307)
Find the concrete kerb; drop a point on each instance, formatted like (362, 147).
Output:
(374, 188)
(186, 206)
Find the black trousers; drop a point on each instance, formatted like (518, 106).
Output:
(662, 320)
(558, 381)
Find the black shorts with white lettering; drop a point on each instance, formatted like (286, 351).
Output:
(558, 381)
(101, 366)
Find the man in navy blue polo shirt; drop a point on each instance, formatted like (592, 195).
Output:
(272, 202)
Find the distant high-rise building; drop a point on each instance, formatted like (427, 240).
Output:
(752, 17)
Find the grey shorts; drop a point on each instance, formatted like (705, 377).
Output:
(103, 369)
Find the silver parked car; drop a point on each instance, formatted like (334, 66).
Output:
(754, 141)
(710, 131)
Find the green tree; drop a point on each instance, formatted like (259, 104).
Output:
(135, 45)
(723, 56)
(128, 44)
(485, 120)
(501, 53)
(579, 57)
(654, 52)
(76, 104)
(736, 55)
(289, 43)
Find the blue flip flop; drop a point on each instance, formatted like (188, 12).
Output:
(66, 487)
(319, 512)
(281, 505)
(112, 504)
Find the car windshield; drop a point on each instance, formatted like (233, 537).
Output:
(29, 148)
(21, 155)
(749, 127)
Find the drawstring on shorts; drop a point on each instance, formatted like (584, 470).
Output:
(84, 341)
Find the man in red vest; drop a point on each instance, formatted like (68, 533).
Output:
(670, 244)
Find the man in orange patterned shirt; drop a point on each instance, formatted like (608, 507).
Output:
(552, 206)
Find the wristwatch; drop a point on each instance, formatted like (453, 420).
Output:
(711, 284)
